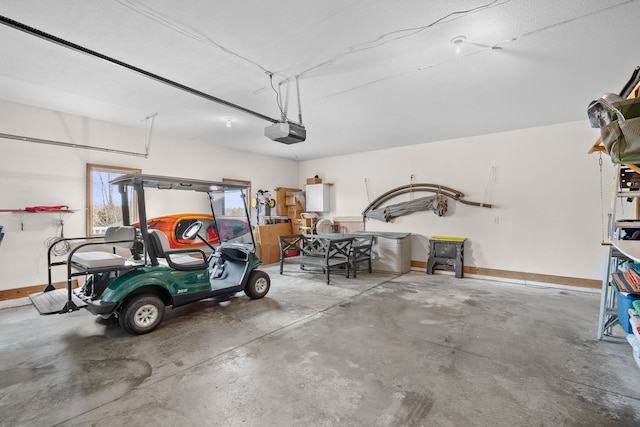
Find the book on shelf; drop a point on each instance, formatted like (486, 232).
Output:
(627, 281)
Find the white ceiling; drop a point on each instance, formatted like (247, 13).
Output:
(373, 74)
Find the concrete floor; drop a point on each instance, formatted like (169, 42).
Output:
(379, 350)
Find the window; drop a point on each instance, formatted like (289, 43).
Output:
(231, 218)
(233, 203)
(104, 207)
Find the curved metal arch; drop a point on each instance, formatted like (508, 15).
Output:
(422, 187)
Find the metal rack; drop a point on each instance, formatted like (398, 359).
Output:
(608, 316)
(24, 211)
(620, 251)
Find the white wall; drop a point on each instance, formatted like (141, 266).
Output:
(36, 174)
(546, 194)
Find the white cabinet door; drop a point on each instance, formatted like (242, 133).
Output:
(317, 198)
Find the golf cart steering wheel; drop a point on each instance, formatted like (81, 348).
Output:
(191, 231)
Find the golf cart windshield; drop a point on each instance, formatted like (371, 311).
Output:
(228, 203)
(229, 212)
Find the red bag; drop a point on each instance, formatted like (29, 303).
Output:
(46, 208)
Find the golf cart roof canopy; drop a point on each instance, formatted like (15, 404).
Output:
(172, 183)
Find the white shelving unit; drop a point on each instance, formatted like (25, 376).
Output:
(620, 251)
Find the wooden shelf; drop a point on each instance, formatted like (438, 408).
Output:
(24, 211)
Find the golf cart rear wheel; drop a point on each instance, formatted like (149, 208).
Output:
(142, 314)
(258, 284)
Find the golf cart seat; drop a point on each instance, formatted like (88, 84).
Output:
(115, 237)
(179, 259)
(234, 253)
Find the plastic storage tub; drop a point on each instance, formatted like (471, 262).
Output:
(391, 252)
(625, 302)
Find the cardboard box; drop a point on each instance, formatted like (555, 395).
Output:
(314, 181)
(268, 242)
(295, 204)
(281, 194)
(269, 254)
(268, 234)
(294, 212)
(290, 200)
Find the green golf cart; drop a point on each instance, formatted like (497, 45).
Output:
(132, 273)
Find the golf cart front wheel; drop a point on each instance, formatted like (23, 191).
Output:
(258, 284)
(142, 314)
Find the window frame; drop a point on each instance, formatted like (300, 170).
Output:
(242, 182)
(91, 169)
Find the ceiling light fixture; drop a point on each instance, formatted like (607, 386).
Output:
(228, 122)
(457, 42)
